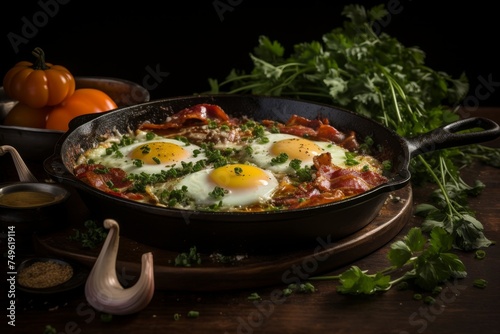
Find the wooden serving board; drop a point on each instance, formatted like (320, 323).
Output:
(243, 271)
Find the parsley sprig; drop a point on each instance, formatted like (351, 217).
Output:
(380, 78)
(428, 263)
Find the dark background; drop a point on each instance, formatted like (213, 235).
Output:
(189, 42)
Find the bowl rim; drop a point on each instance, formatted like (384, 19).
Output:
(60, 193)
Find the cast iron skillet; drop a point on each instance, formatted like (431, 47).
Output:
(210, 231)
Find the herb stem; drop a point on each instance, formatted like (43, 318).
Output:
(324, 278)
(440, 183)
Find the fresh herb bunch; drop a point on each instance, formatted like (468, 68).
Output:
(429, 263)
(378, 77)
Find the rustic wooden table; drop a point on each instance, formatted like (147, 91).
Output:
(459, 308)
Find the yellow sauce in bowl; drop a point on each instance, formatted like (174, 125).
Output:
(26, 199)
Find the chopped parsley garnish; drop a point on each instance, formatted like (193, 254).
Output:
(113, 148)
(279, 159)
(480, 283)
(259, 132)
(215, 207)
(218, 192)
(248, 150)
(92, 236)
(103, 170)
(350, 159)
(211, 124)
(238, 170)
(254, 296)
(110, 185)
(216, 157)
(118, 154)
(126, 140)
(304, 174)
(274, 129)
(386, 165)
(188, 259)
(299, 288)
(193, 314)
(183, 139)
(145, 149)
(174, 197)
(367, 145)
(249, 125)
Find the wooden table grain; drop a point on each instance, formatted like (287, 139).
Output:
(459, 308)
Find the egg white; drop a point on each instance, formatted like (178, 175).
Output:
(199, 185)
(262, 155)
(124, 161)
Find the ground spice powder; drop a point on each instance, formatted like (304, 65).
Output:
(44, 274)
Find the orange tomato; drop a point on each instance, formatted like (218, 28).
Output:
(23, 115)
(83, 101)
(38, 84)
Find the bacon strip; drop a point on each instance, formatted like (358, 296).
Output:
(316, 129)
(104, 177)
(197, 114)
(351, 182)
(330, 184)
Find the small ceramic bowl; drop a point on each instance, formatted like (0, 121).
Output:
(37, 144)
(77, 279)
(32, 207)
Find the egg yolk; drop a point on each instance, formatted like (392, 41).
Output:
(159, 153)
(239, 176)
(296, 148)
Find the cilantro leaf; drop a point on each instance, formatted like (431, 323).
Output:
(355, 281)
(402, 251)
(399, 254)
(435, 268)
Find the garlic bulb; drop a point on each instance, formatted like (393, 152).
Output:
(103, 290)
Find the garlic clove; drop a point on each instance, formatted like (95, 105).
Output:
(103, 290)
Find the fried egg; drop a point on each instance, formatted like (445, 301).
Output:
(148, 156)
(295, 148)
(239, 185)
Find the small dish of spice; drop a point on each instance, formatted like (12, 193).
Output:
(43, 275)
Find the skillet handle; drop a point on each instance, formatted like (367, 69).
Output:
(448, 136)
